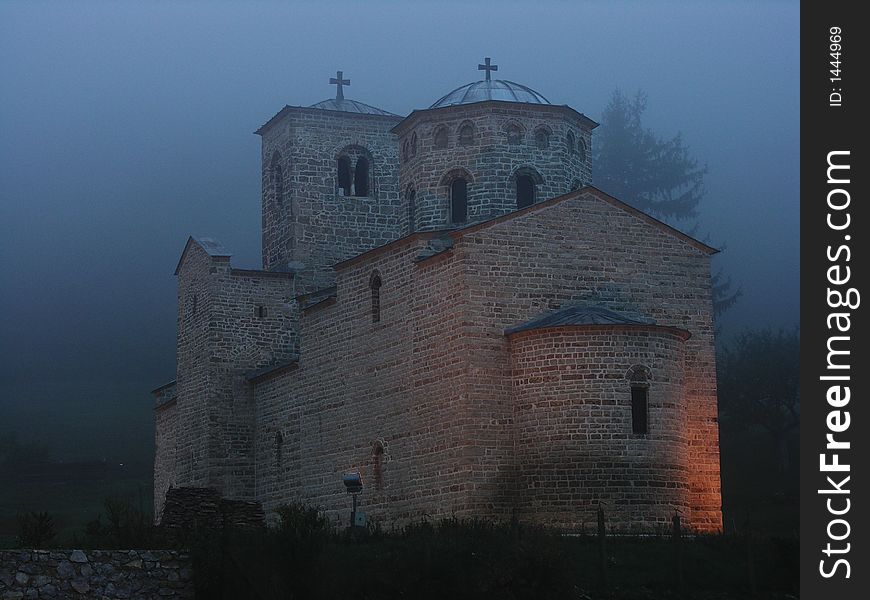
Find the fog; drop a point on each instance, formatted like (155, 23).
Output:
(125, 127)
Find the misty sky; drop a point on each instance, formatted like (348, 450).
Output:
(126, 127)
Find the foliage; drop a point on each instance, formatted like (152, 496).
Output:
(759, 384)
(124, 527)
(654, 174)
(299, 520)
(35, 529)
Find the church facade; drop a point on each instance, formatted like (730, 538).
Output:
(448, 307)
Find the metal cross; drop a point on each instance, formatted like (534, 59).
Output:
(338, 81)
(487, 67)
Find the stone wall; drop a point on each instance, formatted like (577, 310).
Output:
(230, 321)
(575, 447)
(491, 161)
(107, 574)
(165, 443)
(312, 222)
(425, 402)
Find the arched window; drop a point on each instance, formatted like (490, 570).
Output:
(276, 178)
(514, 134)
(441, 137)
(361, 177)
(411, 197)
(581, 149)
(413, 144)
(377, 465)
(344, 177)
(375, 286)
(466, 134)
(279, 449)
(575, 185)
(542, 138)
(639, 377)
(405, 153)
(525, 191)
(569, 142)
(458, 200)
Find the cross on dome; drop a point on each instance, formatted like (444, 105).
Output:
(339, 82)
(487, 67)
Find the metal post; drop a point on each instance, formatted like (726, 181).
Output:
(353, 513)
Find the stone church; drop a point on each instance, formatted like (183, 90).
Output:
(448, 307)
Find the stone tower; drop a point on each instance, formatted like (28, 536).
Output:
(330, 185)
(488, 148)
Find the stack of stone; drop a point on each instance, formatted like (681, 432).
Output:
(197, 508)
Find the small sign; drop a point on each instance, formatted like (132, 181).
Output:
(360, 520)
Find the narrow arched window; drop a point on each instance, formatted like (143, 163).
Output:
(405, 153)
(575, 185)
(581, 149)
(276, 178)
(542, 138)
(514, 135)
(361, 177)
(466, 135)
(344, 177)
(412, 210)
(569, 142)
(375, 286)
(279, 449)
(413, 144)
(441, 137)
(377, 465)
(458, 200)
(639, 383)
(525, 191)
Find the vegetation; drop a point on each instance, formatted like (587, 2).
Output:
(35, 529)
(654, 174)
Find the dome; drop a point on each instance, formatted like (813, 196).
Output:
(351, 106)
(491, 89)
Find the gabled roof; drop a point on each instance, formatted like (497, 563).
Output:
(458, 232)
(581, 314)
(208, 245)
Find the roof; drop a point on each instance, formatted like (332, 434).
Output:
(458, 232)
(435, 111)
(581, 314)
(491, 89)
(351, 106)
(210, 246)
(258, 374)
(381, 114)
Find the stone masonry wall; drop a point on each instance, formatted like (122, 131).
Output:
(312, 223)
(384, 398)
(165, 443)
(590, 248)
(110, 575)
(574, 442)
(490, 159)
(230, 322)
(432, 383)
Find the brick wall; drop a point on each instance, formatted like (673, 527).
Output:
(434, 383)
(574, 442)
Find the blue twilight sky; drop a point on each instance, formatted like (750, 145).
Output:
(125, 127)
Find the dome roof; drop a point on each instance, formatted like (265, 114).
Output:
(491, 89)
(351, 106)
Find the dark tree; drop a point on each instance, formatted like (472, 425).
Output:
(35, 529)
(656, 175)
(759, 385)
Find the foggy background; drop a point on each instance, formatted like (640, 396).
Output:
(124, 128)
